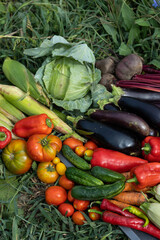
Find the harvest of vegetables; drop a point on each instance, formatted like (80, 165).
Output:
(80, 122)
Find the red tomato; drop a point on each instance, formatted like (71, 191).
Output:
(55, 195)
(66, 209)
(93, 215)
(79, 150)
(78, 218)
(46, 172)
(41, 147)
(66, 183)
(72, 142)
(70, 198)
(15, 157)
(81, 205)
(57, 141)
(90, 145)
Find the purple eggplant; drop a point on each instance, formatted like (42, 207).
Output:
(122, 119)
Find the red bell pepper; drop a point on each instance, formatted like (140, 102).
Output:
(151, 149)
(5, 137)
(146, 175)
(36, 124)
(115, 160)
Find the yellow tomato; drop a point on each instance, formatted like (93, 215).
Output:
(88, 154)
(46, 172)
(56, 160)
(61, 168)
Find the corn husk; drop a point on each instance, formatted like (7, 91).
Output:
(4, 124)
(22, 78)
(10, 111)
(153, 212)
(156, 191)
(30, 106)
(6, 120)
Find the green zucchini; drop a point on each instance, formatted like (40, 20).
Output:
(93, 193)
(106, 175)
(81, 177)
(73, 158)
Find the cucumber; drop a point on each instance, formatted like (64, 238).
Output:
(81, 177)
(106, 175)
(93, 193)
(73, 158)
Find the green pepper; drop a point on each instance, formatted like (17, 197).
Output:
(138, 213)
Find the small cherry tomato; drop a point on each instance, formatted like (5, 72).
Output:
(46, 172)
(66, 209)
(61, 168)
(78, 218)
(88, 154)
(70, 198)
(81, 205)
(55, 195)
(90, 145)
(79, 150)
(56, 160)
(72, 142)
(93, 215)
(66, 183)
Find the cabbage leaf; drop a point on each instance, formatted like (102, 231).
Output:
(68, 75)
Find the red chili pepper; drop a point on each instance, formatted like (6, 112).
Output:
(131, 222)
(107, 205)
(5, 137)
(146, 175)
(151, 148)
(115, 160)
(36, 124)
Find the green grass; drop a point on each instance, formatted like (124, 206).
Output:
(108, 27)
(112, 27)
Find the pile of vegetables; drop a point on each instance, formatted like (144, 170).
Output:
(75, 107)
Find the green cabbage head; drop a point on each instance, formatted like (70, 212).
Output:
(68, 76)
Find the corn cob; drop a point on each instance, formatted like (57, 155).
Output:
(4, 124)
(21, 77)
(6, 120)
(10, 111)
(30, 106)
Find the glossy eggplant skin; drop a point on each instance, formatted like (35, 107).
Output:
(154, 132)
(142, 94)
(110, 137)
(123, 119)
(146, 110)
(111, 106)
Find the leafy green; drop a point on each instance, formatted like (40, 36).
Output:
(70, 74)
